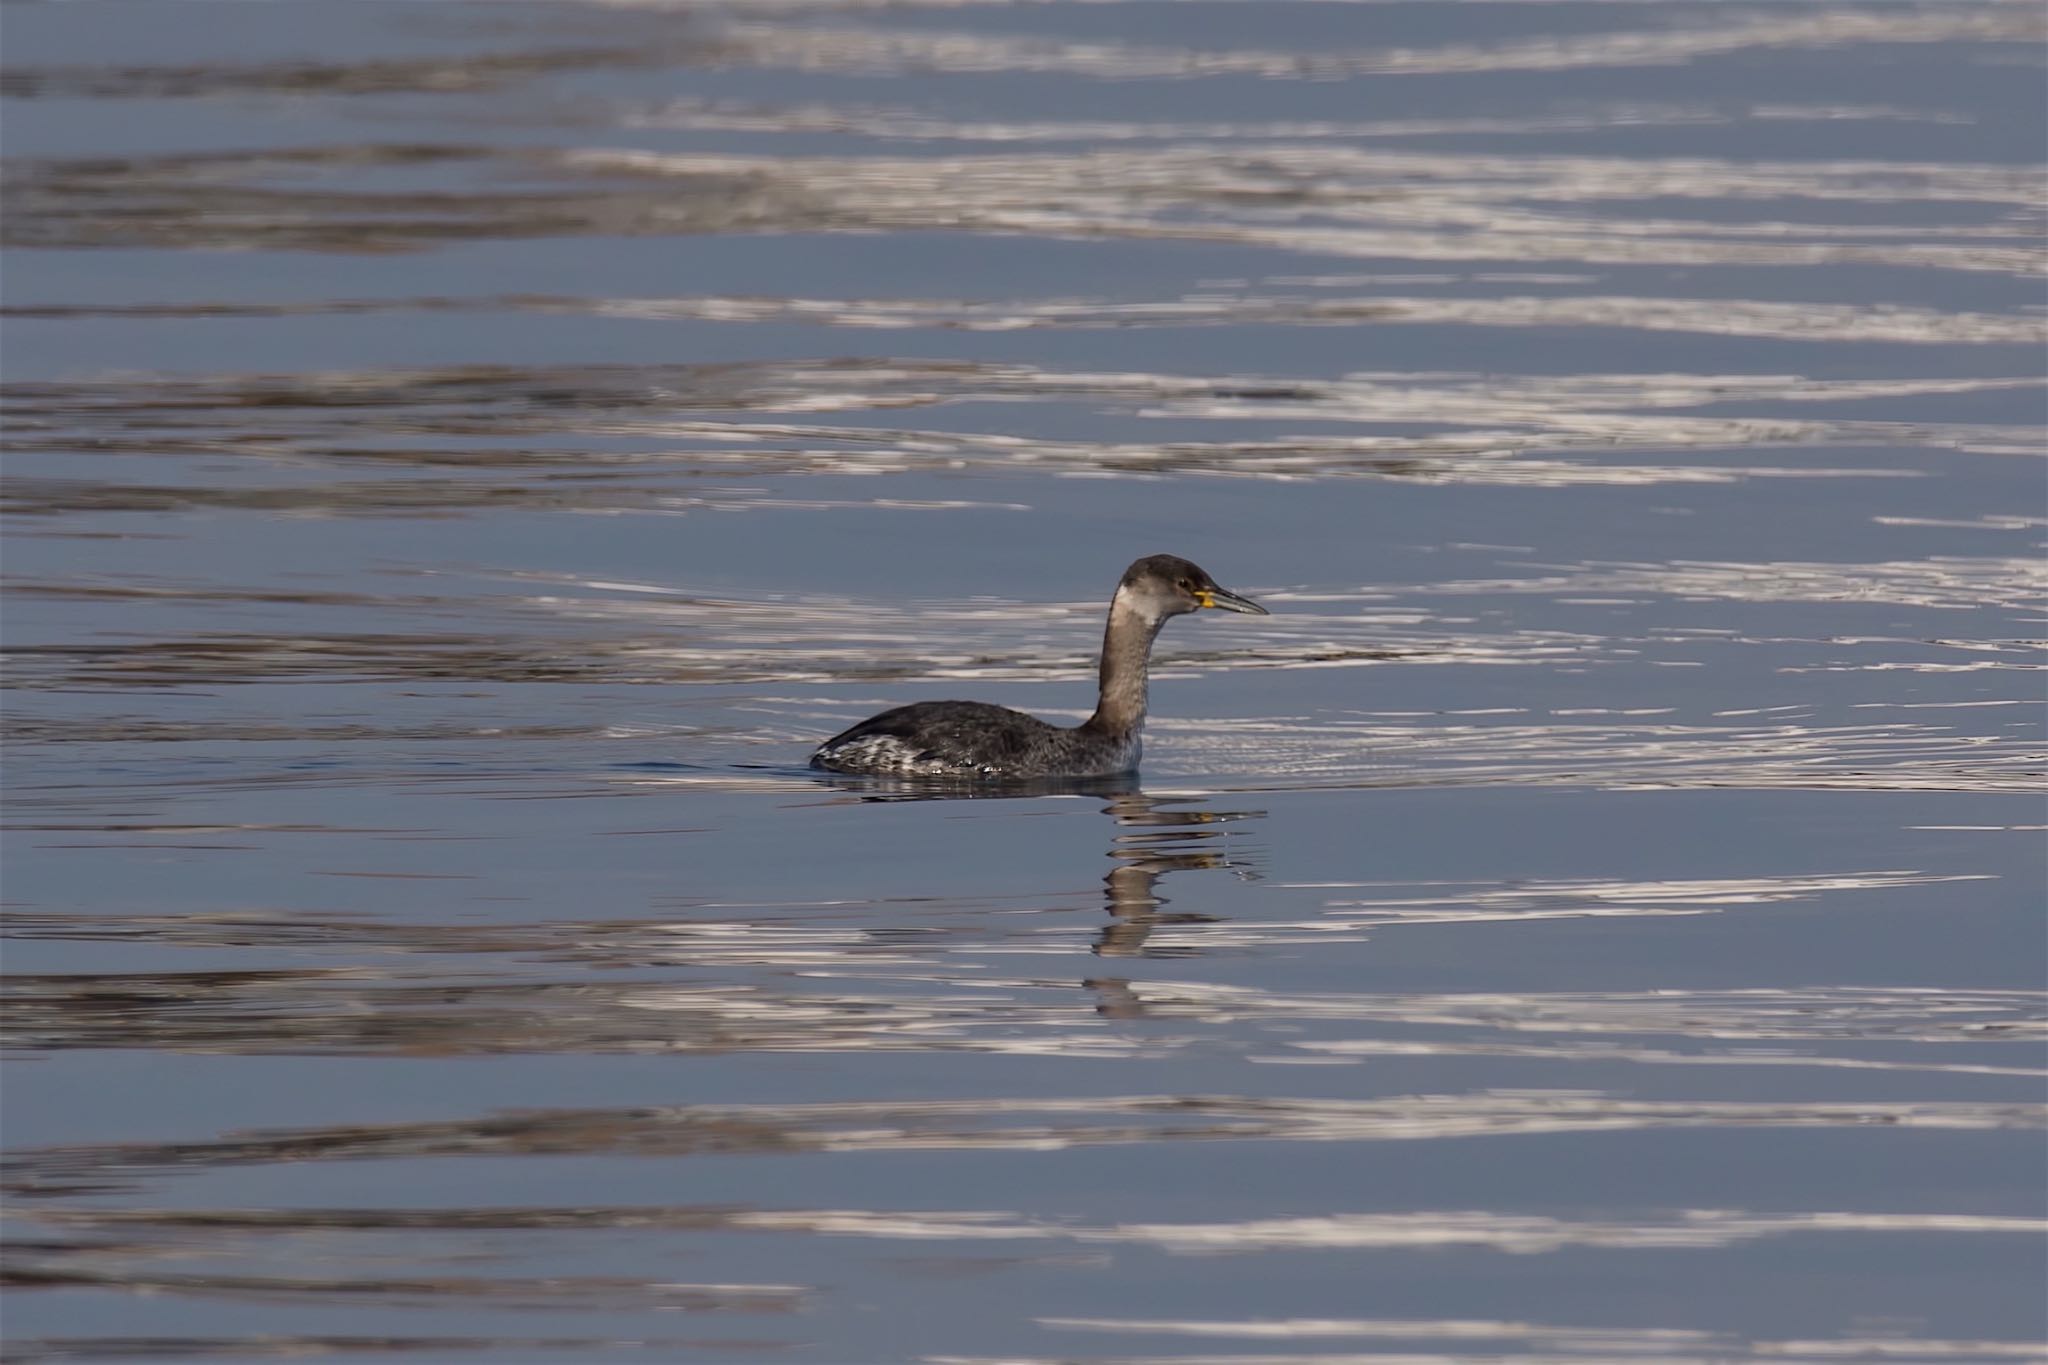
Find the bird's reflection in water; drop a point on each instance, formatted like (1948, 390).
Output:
(1154, 835)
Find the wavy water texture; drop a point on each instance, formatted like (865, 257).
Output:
(1036, 1124)
(1683, 1228)
(351, 1012)
(462, 459)
(1875, 757)
(886, 52)
(906, 125)
(1318, 198)
(1818, 322)
(449, 442)
(135, 1248)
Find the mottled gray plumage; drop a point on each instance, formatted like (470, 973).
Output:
(973, 739)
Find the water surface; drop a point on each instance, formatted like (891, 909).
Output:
(463, 457)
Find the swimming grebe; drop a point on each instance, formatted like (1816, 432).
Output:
(974, 739)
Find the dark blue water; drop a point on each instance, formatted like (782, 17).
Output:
(462, 458)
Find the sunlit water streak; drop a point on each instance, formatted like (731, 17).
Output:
(1214, 308)
(1455, 429)
(843, 48)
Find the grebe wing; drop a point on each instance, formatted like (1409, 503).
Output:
(952, 734)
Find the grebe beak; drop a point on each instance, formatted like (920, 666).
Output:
(1213, 596)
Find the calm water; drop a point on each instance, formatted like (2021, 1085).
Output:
(463, 456)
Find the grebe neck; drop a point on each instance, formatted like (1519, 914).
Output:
(1126, 650)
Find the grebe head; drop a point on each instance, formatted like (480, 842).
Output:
(1160, 586)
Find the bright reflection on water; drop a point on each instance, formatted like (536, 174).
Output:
(461, 459)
